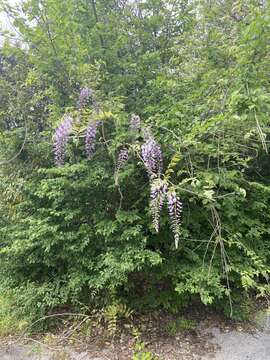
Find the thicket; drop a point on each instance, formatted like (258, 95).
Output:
(79, 233)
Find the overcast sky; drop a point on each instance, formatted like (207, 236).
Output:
(5, 22)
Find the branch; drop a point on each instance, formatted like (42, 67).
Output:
(19, 152)
(97, 20)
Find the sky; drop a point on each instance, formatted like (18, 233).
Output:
(5, 23)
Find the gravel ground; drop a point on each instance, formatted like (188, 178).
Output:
(236, 345)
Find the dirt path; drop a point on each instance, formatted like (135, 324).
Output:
(233, 345)
(208, 343)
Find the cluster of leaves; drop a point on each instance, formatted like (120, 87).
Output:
(175, 326)
(198, 76)
(140, 353)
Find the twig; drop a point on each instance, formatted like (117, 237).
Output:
(48, 317)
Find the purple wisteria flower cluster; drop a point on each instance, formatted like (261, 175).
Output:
(152, 157)
(85, 95)
(122, 158)
(135, 123)
(61, 139)
(134, 126)
(158, 193)
(90, 138)
(175, 208)
(153, 160)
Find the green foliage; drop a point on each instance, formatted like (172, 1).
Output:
(11, 320)
(113, 313)
(175, 326)
(74, 237)
(141, 354)
(243, 306)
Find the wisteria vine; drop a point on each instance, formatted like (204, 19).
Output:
(159, 192)
(150, 153)
(122, 158)
(61, 139)
(175, 210)
(135, 123)
(85, 95)
(90, 138)
(157, 196)
(152, 157)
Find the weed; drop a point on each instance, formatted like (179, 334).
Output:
(180, 325)
(10, 322)
(141, 354)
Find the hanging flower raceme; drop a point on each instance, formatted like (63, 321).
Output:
(135, 123)
(175, 210)
(84, 96)
(61, 138)
(87, 97)
(122, 158)
(90, 138)
(152, 157)
(157, 196)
